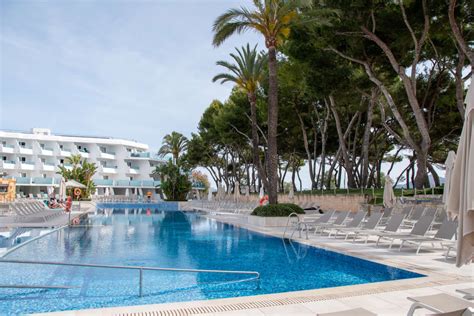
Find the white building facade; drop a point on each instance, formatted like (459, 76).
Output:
(33, 159)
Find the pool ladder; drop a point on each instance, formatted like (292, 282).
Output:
(256, 275)
(298, 225)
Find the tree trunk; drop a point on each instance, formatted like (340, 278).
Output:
(272, 162)
(342, 145)
(299, 179)
(323, 147)
(306, 148)
(460, 84)
(366, 139)
(462, 43)
(255, 141)
(421, 168)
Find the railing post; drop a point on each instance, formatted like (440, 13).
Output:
(141, 283)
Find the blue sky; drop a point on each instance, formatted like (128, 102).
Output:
(130, 69)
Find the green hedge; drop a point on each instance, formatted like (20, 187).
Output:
(283, 209)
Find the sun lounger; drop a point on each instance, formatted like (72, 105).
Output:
(353, 223)
(419, 229)
(351, 312)
(468, 293)
(444, 233)
(370, 224)
(340, 218)
(440, 303)
(393, 224)
(414, 216)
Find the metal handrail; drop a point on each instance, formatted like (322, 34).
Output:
(297, 226)
(140, 268)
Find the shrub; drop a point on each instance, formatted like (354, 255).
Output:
(283, 209)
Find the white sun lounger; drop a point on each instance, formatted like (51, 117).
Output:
(393, 224)
(419, 229)
(468, 293)
(444, 233)
(370, 224)
(353, 223)
(440, 303)
(340, 218)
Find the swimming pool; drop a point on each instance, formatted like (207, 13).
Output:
(154, 237)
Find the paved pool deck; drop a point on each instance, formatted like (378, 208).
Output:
(382, 298)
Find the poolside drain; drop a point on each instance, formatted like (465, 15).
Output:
(283, 301)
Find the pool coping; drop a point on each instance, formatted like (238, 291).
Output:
(431, 278)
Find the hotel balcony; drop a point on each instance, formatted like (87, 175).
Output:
(7, 149)
(42, 181)
(25, 150)
(103, 182)
(84, 153)
(67, 166)
(107, 155)
(142, 155)
(47, 166)
(65, 153)
(7, 164)
(26, 165)
(150, 183)
(133, 170)
(46, 151)
(108, 169)
(23, 180)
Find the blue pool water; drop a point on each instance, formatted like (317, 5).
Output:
(155, 237)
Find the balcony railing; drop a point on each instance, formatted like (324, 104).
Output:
(147, 183)
(47, 151)
(42, 181)
(7, 148)
(140, 155)
(27, 162)
(23, 180)
(126, 183)
(103, 182)
(135, 183)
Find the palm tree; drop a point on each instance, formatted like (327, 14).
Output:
(247, 73)
(174, 144)
(273, 19)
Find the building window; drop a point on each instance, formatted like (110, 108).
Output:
(44, 175)
(42, 146)
(131, 178)
(61, 161)
(23, 175)
(61, 147)
(106, 177)
(129, 164)
(4, 158)
(23, 159)
(22, 144)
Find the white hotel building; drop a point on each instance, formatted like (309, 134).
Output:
(33, 159)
